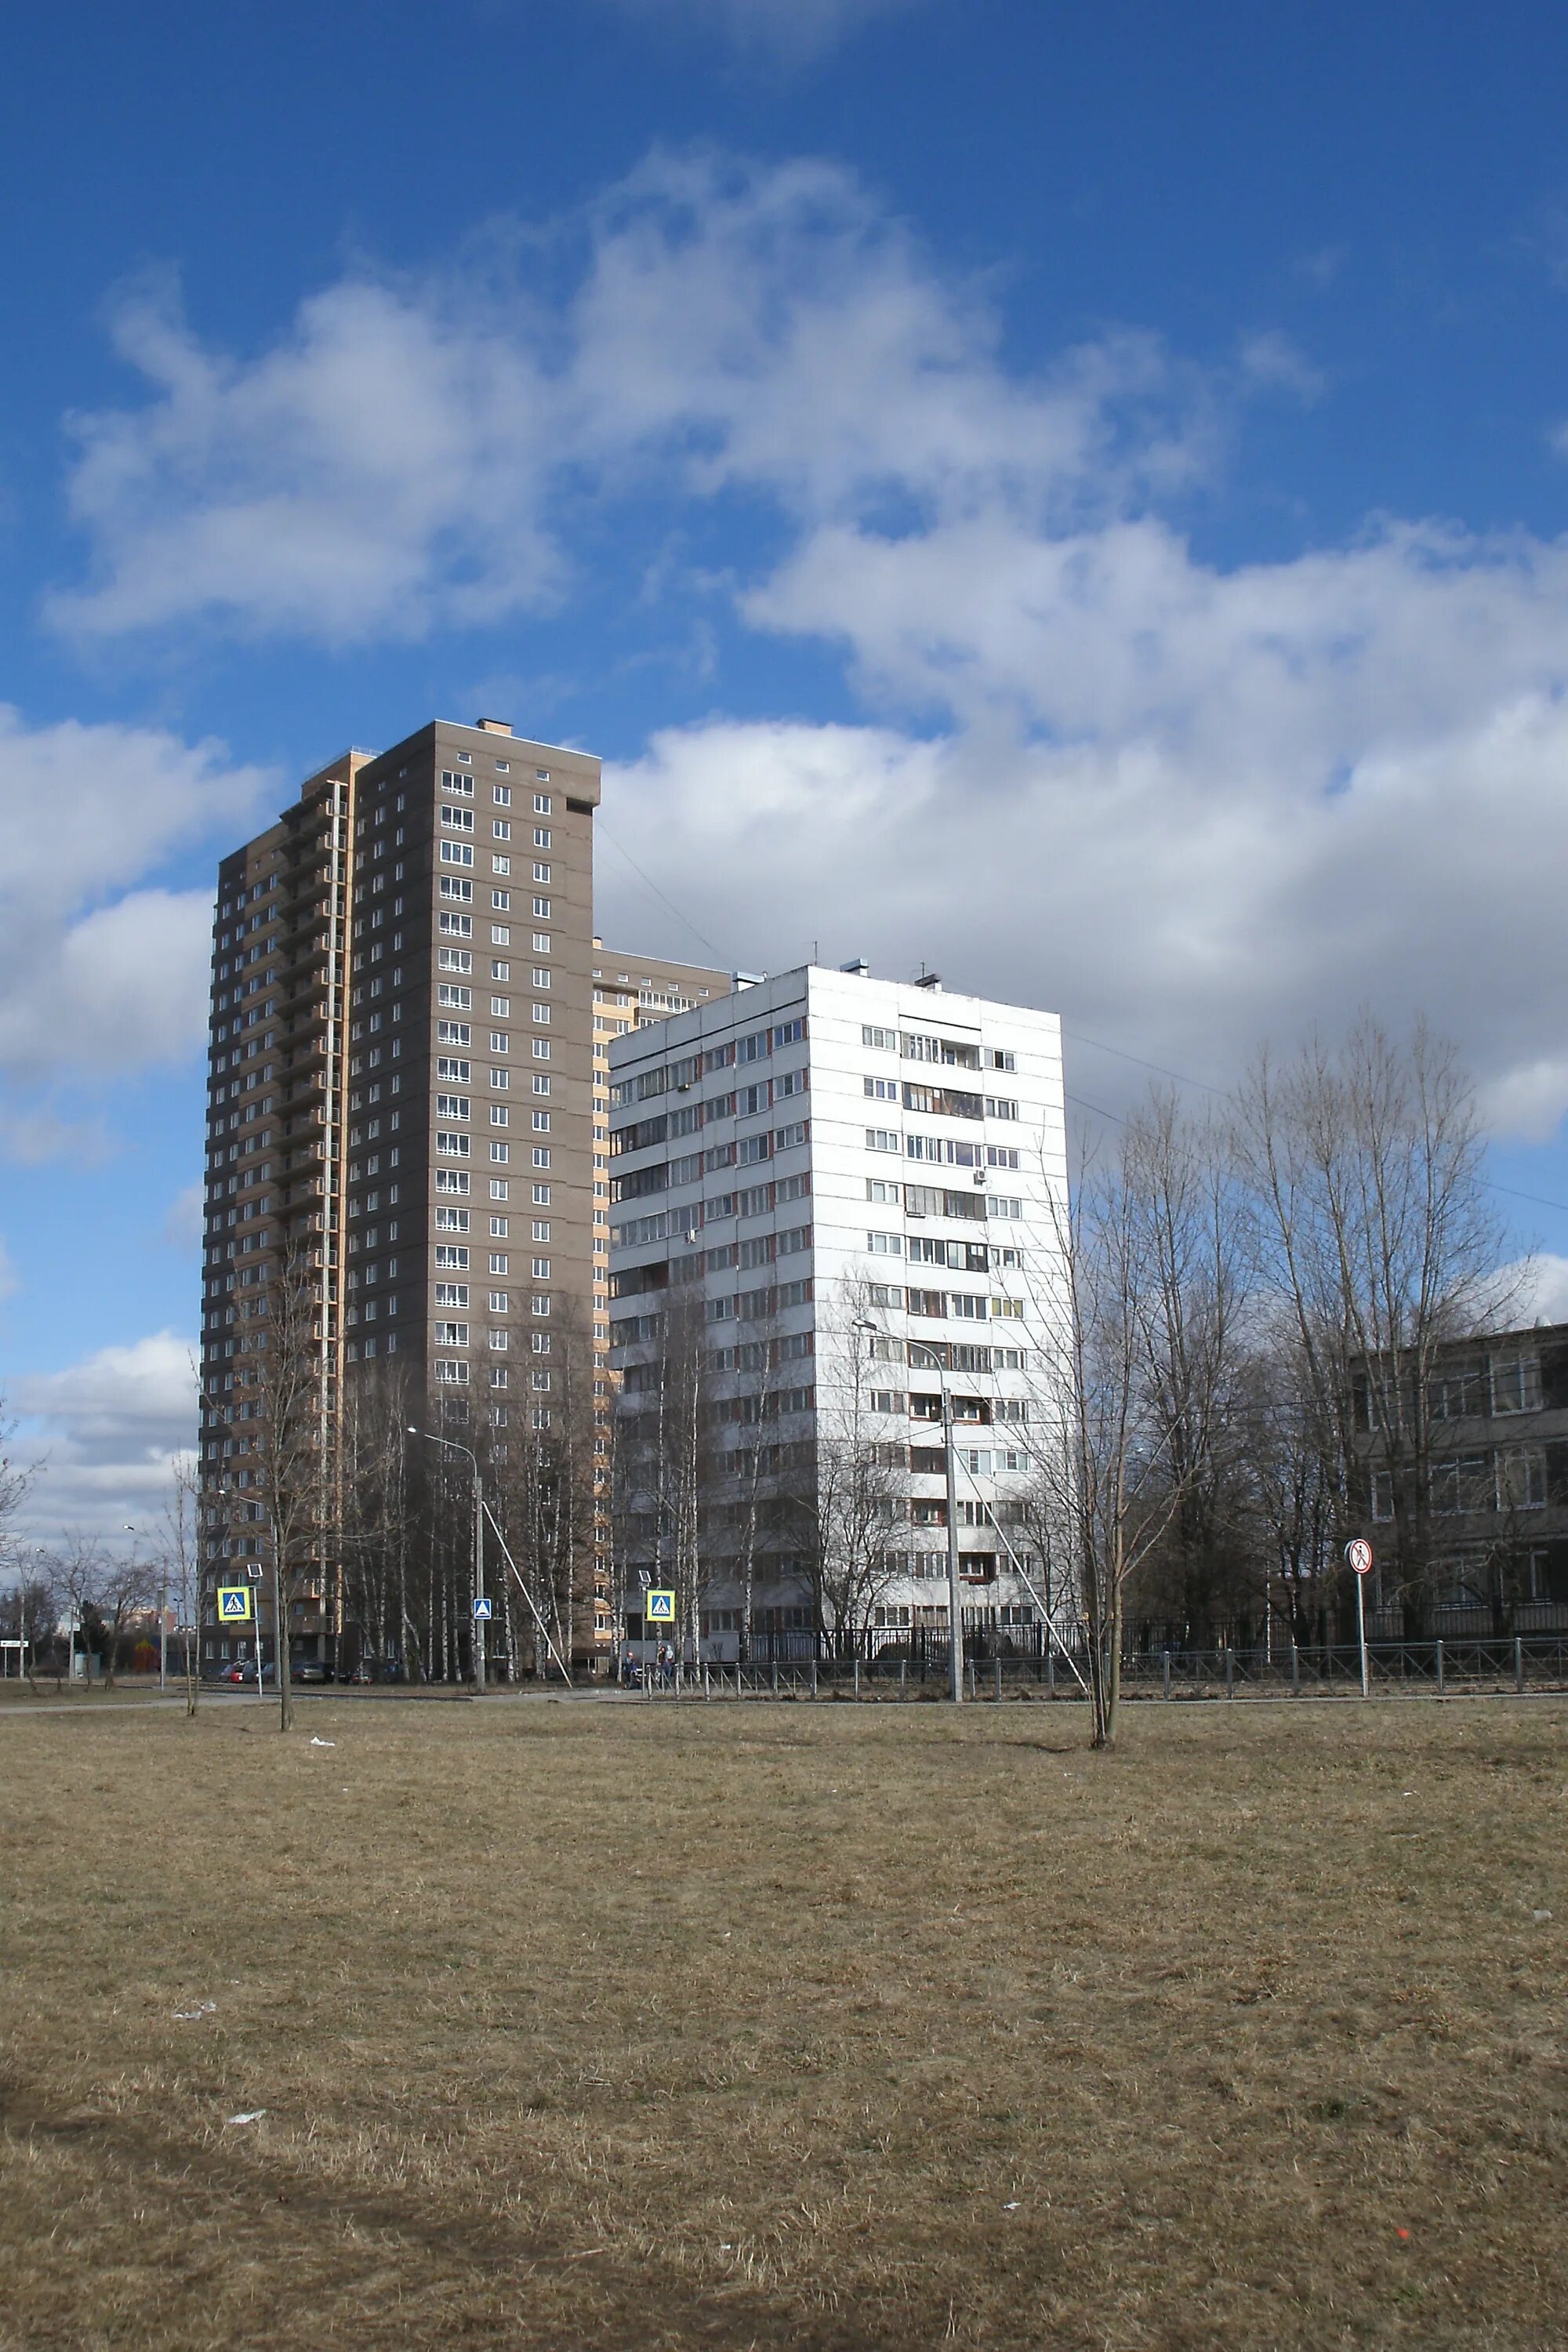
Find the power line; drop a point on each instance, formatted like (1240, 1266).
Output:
(722, 961)
(1538, 1199)
(1158, 1068)
(1078, 1103)
(1077, 1036)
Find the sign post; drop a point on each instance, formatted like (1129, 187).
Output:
(236, 1606)
(659, 1609)
(1358, 1552)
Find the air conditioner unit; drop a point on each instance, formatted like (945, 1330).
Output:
(980, 1175)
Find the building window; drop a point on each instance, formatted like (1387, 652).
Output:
(1521, 1479)
(1516, 1382)
(1464, 1481)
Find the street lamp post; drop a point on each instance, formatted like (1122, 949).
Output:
(478, 1623)
(950, 1468)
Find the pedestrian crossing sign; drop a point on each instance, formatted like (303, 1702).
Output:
(661, 1608)
(233, 1604)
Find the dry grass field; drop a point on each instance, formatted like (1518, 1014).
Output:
(613, 2025)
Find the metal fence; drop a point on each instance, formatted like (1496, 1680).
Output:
(1413, 1668)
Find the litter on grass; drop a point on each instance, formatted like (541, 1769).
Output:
(251, 2116)
(321, 1743)
(206, 2009)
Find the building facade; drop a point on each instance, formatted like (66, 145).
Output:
(1490, 1447)
(832, 1199)
(277, 1140)
(407, 1169)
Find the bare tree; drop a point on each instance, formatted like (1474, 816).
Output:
(378, 1524)
(292, 1477)
(851, 1486)
(1138, 1371)
(758, 1378)
(179, 1547)
(75, 1567)
(543, 1481)
(665, 1454)
(1383, 1246)
(16, 1478)
(121, 1588)
(1196, 1245)
(1295, 1485)
(29, 1611)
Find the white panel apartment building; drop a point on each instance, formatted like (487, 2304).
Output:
(829, 1193)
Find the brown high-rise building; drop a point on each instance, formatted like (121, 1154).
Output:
(407, 1128)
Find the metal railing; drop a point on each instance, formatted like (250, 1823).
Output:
(1411, 1668)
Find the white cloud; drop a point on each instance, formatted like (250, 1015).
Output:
(1273, 359)
(1545, 1290)
(182, 1225)
(401, 458)
(107, 1431)
(1180, 913)
(98, 977)
(793, 30)
(1187, 803)
(10, 1280)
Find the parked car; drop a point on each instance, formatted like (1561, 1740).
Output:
(244, 1671)
(310, 1670)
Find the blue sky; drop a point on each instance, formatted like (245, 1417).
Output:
(1076, 496)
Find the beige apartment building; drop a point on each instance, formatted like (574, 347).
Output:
(408, 1128)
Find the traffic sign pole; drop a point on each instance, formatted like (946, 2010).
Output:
(1358, 1553)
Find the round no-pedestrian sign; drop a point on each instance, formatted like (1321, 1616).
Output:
(1358, 1551)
